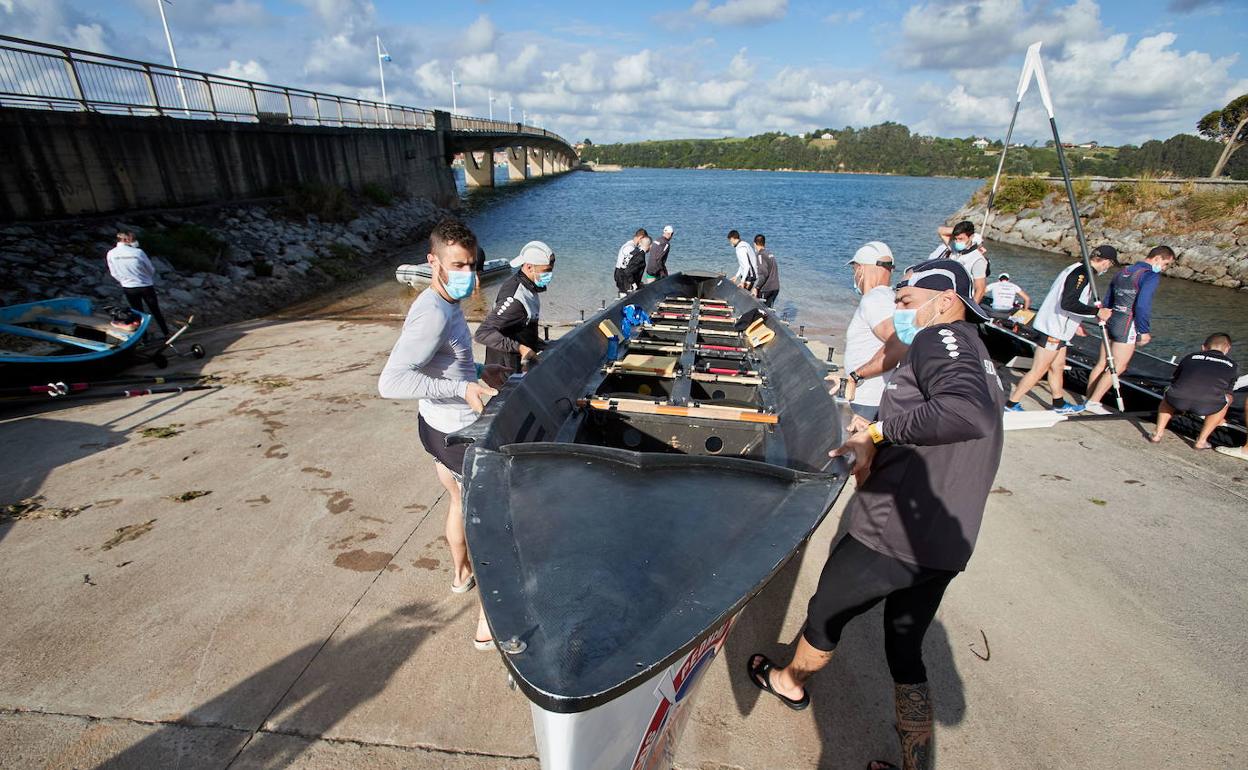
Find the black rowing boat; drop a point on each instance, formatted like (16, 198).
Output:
(627, 497)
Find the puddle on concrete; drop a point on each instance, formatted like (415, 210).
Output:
(258, 501)
(360, 560)
(426, 562)
(338, 501)
(318, 471)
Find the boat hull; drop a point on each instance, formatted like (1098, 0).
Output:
(421, 274)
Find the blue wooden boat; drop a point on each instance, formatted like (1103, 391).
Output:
(64, 337)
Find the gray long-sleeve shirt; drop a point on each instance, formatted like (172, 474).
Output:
(130, 266)
(924, 499)
(432, 361)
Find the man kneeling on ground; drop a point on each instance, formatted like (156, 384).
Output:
(1202, 384)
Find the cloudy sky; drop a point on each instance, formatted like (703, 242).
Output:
(1120, 70)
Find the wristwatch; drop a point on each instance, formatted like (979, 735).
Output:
(876, 431)
(855, 377)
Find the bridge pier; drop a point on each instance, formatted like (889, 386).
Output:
(537, 162)
(517, 167)
(479, 173)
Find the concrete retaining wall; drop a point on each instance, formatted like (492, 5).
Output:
(76, 163)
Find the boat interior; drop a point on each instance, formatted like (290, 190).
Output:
(55, 329)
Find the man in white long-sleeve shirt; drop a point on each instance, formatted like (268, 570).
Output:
(747, 261)
(433, 362)
(130, 267)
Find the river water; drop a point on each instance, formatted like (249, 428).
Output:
(813, 223)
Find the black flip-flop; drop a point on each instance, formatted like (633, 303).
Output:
(760, 674)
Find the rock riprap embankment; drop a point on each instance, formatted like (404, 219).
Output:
(1207, 229)
(222, 264)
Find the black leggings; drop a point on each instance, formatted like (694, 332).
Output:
(854, 580)
(139, 295)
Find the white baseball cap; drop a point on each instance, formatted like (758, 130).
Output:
(871, 253)
(534, 253)
(669, 230)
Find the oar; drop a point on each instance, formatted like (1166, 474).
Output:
(1024, 80)
(1036, 67)
(54, 389)
(82, 396)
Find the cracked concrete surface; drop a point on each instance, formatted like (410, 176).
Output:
(300, 614)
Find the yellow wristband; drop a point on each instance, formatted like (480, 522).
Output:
(876, 432)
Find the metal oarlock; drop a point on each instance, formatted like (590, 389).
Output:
(602, 304)
(546, 332)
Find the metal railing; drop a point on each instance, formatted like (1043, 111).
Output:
(37, 75)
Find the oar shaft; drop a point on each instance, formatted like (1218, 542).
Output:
(130, 393)
(992, 193)
(1087, 260)
(60, 388)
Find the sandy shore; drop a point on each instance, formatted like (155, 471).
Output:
(299, 614)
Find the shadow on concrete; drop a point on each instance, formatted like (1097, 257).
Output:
(307, 698)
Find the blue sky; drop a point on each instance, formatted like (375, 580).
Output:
(1120, 71)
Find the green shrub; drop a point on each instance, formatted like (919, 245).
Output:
(189, 248)
(329, 203)
(377, 194)
(1216, 204)
(341, 262)
(1020, 192)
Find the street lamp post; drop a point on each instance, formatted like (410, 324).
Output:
(491, 104)
(382, 57)
(454, 101)
(160, 6)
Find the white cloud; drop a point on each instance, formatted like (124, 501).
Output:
(740, 67)
(479, 36)
(633, 73)
(248, 70)
(237, 13)
(740, 11)
(844, 17)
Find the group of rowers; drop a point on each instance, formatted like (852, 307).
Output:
(925, 395)
(642, 260)
(1203, 380)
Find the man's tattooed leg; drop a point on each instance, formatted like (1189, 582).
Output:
(914, 725)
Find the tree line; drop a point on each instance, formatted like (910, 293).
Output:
(891, 148)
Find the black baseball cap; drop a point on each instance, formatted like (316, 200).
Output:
(942, 275)
(1105, 251)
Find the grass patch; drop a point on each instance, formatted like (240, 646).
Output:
(376, 194)
(1126, 199)
(1020, 192)
(342, 262)
(163, 431)
(1217, 204)
(189, 248)
(327, 202)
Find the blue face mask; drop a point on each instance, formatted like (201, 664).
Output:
(459, 283)
(904, 323)
(958, 246)
(543, 280)
(1158, 268)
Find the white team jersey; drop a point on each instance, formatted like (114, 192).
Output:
(1054, 321)
(1003, 294)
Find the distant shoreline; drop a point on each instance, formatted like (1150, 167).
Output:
(799, 171)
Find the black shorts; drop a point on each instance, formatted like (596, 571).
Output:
(1121, 328)
(770, 297)
(1198, 408)
(434, 442)
(854, 580)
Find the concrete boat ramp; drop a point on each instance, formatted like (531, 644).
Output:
(299, 615)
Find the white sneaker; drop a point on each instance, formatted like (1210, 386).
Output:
(1094, 407)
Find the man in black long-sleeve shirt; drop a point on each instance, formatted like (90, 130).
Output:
(1202, 384)
(929, 462)
(509, 331)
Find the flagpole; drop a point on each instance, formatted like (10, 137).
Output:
(454, 101)
(381, 73)
(160, 6)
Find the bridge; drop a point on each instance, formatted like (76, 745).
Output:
(43, 78)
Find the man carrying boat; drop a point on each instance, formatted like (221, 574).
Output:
(1059, 318)
(929, 462)
(768, 279)
(1129, 306)
(509, 331)
(432, 361)
(656, 256)
(630, 262)
(1202, 385)
(872, 350)
(961, 244)
(130, 267)
(747, 261)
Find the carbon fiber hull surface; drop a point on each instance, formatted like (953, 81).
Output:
(618, 520)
